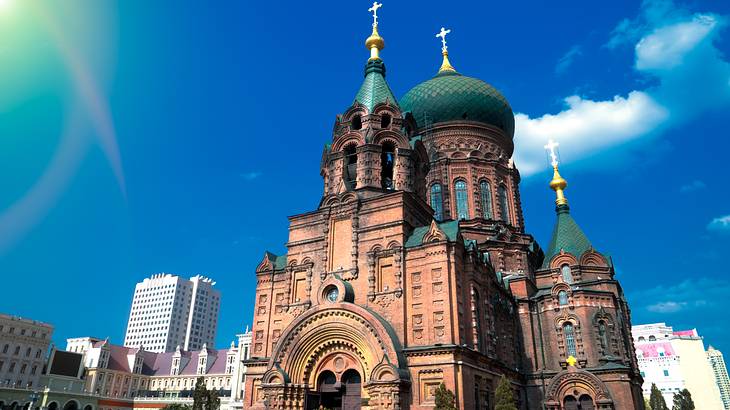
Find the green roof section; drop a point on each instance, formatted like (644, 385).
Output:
(279, 262)
(451, 96)
(450, 228)
(567, 236)
(374, 89)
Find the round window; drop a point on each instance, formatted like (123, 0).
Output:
(331, 293)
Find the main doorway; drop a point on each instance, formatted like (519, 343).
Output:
(334, 395)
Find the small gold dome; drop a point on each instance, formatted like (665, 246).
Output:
(558, 184)
(374, 43)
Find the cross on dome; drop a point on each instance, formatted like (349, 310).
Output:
(551, 145)
(374, 10)
(442, 34)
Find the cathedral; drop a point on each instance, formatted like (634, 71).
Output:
(416, 270)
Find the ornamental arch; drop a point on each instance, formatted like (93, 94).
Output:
(345, 340)
(577, 387)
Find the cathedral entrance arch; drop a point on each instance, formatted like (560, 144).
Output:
(575, 389)
(337, 356)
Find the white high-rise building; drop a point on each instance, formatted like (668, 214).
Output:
(169, 311)
(675, 360)
(723, 381)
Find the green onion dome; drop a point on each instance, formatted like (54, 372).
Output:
(450, 96)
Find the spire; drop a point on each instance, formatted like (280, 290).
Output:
(567, 235)
(446, 66)
(375, 43)
(374, 90)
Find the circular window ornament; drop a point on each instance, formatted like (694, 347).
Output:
(331, 294)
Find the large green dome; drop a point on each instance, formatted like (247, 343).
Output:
(451, 96)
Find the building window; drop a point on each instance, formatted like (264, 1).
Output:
(387, 161)
(652, 338)
(486, 194)
(666, 373)
(462, 202)
(563, 298)
(503, 206)
(567, 274)
(350, 171)
(641, 339)
(642, 374)
(569, 339)
(437, 202)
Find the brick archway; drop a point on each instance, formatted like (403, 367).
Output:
(335, 337)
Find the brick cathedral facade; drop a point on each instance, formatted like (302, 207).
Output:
(416, 270)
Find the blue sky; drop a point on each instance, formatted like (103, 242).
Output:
(141, 137)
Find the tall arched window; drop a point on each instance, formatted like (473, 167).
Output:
(462, 201)
(563, 298)
(503, 206)
(567, 274)
(437, 202)
(602, 335)
(387, 161)
(569, 339)
(486, 194)
(350, 172)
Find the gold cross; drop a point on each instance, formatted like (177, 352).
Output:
(571, 361)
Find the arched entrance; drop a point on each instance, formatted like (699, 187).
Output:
(71, 405)
(343, 394)
(53, 406)
(585, 402)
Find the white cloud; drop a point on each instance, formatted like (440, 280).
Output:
(250, 176)
(676, 49)
(693, 186)
(666, 47)
(702, 294)
(586, 126)
(666, 307)
(567, 59)
(721, 224)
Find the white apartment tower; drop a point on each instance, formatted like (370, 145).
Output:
(169, 311)
(723, 381)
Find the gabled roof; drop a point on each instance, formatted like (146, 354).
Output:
(567, 236)
(374, 89)
(450, 229)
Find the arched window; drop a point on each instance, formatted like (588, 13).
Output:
(567, 274)
(563, 298)
(384, 121)
(462, 202)
(387, 161)
(437, 202)
(356, 123)
(503, 206)
(350, 171)
(641, 339)
(27, 352)
(652, 338)
(17, 350)
(486, 194)
(602, 335)
(569, 339)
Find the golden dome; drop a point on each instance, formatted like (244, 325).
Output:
(558, 184)
(374, 43)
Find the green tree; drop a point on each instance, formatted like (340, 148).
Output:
(504, 396)
(213, 402)
(200, 395)
(683, 401)
(444, 398)
(177, 406)
(647, 406)
(656, 400)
